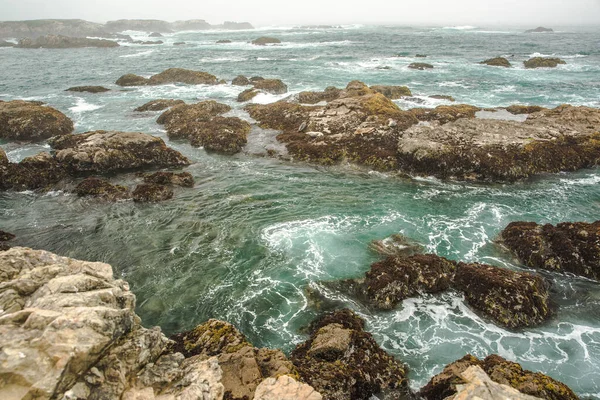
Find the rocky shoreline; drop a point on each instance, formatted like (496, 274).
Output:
(69, 331)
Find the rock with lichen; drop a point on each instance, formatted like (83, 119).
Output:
(24, 120)
(568, 247)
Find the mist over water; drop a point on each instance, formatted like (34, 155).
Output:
(245, 243)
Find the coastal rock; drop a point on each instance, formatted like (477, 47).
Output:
(517, 109)
(331, 93)
(420, 55)
(392, 92)
(3, 158)
(144, 25)
(342, 361)
(543, 62)
(255, 79)
(101, 188)
(23, 120)
(285, 388)
(89, 89)
(155, 34)
(497, 62)
(478, 385)
(539, 29)
(183, 179)
(180, 121)
(151, 193)
(264, 40)
(159, 105)
(240, 80)
(221, 134)
(247, 95)
(41, 27)
(132, 80)
(108, 151)
(148, 42)
(5, 237)
(179, 44)
(273, 86)
(420, 66)
(511, 299)
(180, 75)
(76, 335)
(39, 172)
(501, 371)
(442, 97)
(572, 247)
(63, 42)
(223, 41)
(445, 114)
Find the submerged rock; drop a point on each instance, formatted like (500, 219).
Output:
(171, 75)
(223, 41)
(392, 92)
(159, 105)
(264, 40)
(151, 193)
(442, 97)
(542, 62)
(240, 80)
(396, 245)
(273, 86)
(89, 89)
(79, 337)
(104, 151)
(420, 66)
(102, 188)
(24, 120)
(63, 42)
(497, 62)
(342, 361)
(572, 247)
(511, 299)
(499, 370)
(156, 34)
(183, 179)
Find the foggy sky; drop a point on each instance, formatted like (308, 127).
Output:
(529, 13)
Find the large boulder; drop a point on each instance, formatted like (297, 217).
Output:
(499, 370)
(273, 86)
(180, 75)
(572, 247)
(159, 105)
(240, 80)
(247, 95)
(543, 62)
(478, 385)
(179, 120)
(88, 89)
(68, 330)
(132, 80)
(392, 92)
(342, 361)
(285, 388)
(23, 120)
(264, 40)
(511, 299)
(497, 62)
(110, 151)
(63, 42)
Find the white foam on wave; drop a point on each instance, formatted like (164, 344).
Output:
(460, 27)
(83, 106)
(460, 84)
(268, 98)
(139, 54)
(222, 59)
(559, 56)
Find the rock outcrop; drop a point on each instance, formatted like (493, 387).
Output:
(159, 105)
(445, 114)
(273, 86)
(24, 120)
(264, 40)
(392, 92)
(342, 361)
(497, 62)
(543, 62)
(68, 330)
(171, 75)
(499, 370)
(331, 93)
(240, 80)
(517, 109)
(88, 89)
(247, 95)
(63, 42)
(204, 126)
(285, 388)
(42, 27)
(420, 66)
(109, 151)
(572, 247)
(39, 172)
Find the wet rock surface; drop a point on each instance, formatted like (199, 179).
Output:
(392, 92)
(273, 86)
(151, 193)
(247, 95)
(342, 361)
(240, 80)
(329, 94)
(572, 247)
(159, 105)
(543, 62)
(499, 370)
(5, 238)
(183, 179)
(24, 120)
(102, 188)
(39, 172)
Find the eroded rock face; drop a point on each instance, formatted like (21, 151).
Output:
(88, 89)
(244, 366)
(63, 42)
(159, 105)
(511, 299)
(102, 188)
(68, 330)
(104, 151)
(542, 62)
(24, 120)
(171, 75)
(497, 62)
(566, 247)
(501, 371)
(342, 361)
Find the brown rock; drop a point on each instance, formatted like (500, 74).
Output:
(240, 80)
(247, 95)
(263, 41)
(180, 75)
(445, 114)
(179, 120)
(221, 134)
(132, 80)
(420, 66)
(273, 86)
(497, 62)
(541, 62)
(517, 109)
(159, 105)
(183, 179)
(23, 120)
(101, 188)
(392, 92)
(331, 93)
(151, 193)
(89, 89)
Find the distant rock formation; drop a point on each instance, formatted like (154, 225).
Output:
(543, 62)
(539, 29)
(171, 75)
(420, 66)
(497, 62)
(264, 40)
(4, 43)
(63, 42)
(89, 89)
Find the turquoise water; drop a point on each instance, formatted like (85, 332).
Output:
(245, 243)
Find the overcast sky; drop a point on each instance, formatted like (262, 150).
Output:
(280, 12)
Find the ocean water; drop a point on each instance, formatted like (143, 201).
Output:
(255, 235)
